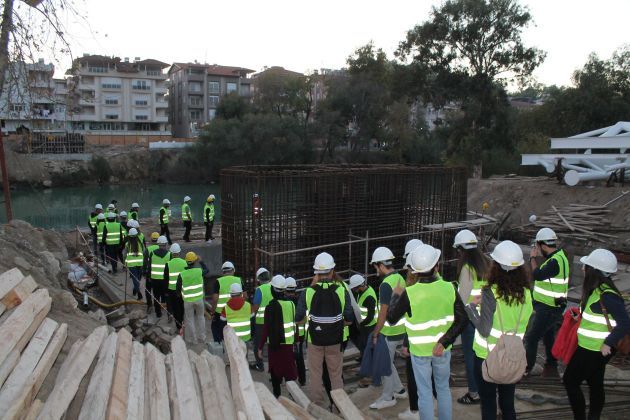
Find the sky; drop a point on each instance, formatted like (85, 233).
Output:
(306, 35)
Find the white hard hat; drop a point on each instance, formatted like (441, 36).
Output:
(211, 196)
(546, 235)
(133, 232)
(424, 258)
(166, 201)
(356, 280)
(411, 245)
(236, 288)
(135, 205)
(408, 260)
(279, 282)
(466, 239)
(260, 271)
(162, 240)
(508, 255)
(175, 249)
(133, 224)
(111, 215)
(101, 216)
(123, 214)
(602, 260)
(186, 199)
(291, 283)
(227, 266)
(381, 254)
(324, 263)
(111, 206)
(98, 207)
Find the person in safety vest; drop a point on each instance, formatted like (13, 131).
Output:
(92, 220)
(551, 285)
(290, 293)
(471, 266)
(208, 217)
(237, 313)
(433, 316)
(135, 256)
(262, 297)
(393, 389)
(154, 245)
(156, 284)
(191, 286)
(100, 225)
(220, 296)
(113, 237)
(133, 213)
(280, 331)
(505, 305)
(111, 208)
(134, 224)
(366, 299)
(187, 218)
(165, 214)
(325, 329)
(603, 324)
(172, 270)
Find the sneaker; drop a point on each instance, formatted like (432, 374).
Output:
(469, 399)
(401, 395)
(535, 371)
(550, 372)
(409, 414)
(380, 404)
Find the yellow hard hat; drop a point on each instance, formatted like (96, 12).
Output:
(210, 198)
(191, 257)
(155, 236)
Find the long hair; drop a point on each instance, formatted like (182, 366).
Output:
(134, 244)
(474, 258)
(593, 279)
(511, 285)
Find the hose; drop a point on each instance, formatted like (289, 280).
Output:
(107, 305)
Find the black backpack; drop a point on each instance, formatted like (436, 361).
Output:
(325, 323)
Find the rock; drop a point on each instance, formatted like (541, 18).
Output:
(65, 301)
(51, 264)
(128, 328)
(98, 315)
(47, 183)
(22, 263)
(136, 314)
(120, 323)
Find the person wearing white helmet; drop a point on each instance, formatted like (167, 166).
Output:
(220, 296)
(208, 217)
(172, 270)
(366, 300)
(237, 313)
(100, 225)
(262, 297)
(133, 213)
(187, 218)
(113, 238)
(135, 256)
(92, 220)
(393, 389)
(471, 265)
(291, 294)
(411, 245)
(157, 284)
(604, 322)
(505, 305)
(434, 315)
(327, 304)
(165, 214)
(551, 286)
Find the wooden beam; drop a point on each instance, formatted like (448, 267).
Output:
(172, 389)
(243, 390)
(8, 280)
(117, 406)
(156, 398)
(348, 410)
(221, 386)
(298, 412)
(187, 400)
(563, 219)
(192, 357)
(298, 395)
(19, 293)
(209, 393)
(271, 407)
(34, 410)
(65, 390)
(97, 394)
(321, 413)
(135, 399)
(9, 364)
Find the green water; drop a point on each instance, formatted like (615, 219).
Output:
(66, 208)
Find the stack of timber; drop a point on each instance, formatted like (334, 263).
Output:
(125, 379)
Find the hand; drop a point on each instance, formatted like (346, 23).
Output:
(476, 300)
(315, 280)
(260, 356)
(374, 338)
(535, 252)
(438, 350)
(398, 289)
(605, 350)
(404, 351)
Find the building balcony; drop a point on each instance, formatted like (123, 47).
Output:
(86, 101)
(161, 104)
(106, 86)
(84, 117)
(161, 118)
(196, 105)
(140, 87)
(161, 89)
(195, 77)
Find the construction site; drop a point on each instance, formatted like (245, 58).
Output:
(88, 349)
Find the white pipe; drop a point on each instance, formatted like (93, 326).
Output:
(549, 167)
(572, 178)
(574, 167)
(591, 165)
(614, 167)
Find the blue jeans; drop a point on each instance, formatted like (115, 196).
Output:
(543, 324)
(468, 336)
(135, 274)
(423, 366)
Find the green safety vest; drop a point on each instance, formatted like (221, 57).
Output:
(99, 229)
(133, 215)
(364, 310)
(505, 315)
(432, 314)
(224, 290)
(325, 285)
(346, 328)
(141, 239)
(175, 267)
(477, 283)
(593, 330)
(167, 214)
(185, 211)
(157, 265)
(265, 291)
(92, 220)
(114, 236)
(288, 320)
(210, 217)
(399, 327)
(134, 259)
(152, 248)
(545, 291)
(192, 284)
(240, 321)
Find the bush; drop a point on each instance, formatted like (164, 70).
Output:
(100, 169)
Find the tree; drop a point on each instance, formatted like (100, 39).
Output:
(233, 106)
(284, 93)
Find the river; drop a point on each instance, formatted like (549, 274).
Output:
(65, 208)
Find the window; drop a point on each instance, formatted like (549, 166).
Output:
(142, 102)
(214, 87)
(212, 113)
(213, 100)
(111, 101)
(195, 71)
(142, 117)
(194, 87)
(153, 72)
(245, 90)
(111, 116)
(111, 85)
(195, 100)
(141, 85)
(195, 115)
(16, 108)
(231, 87)
(97, 69)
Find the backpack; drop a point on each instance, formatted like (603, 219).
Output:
(325, 324)
(507, 361)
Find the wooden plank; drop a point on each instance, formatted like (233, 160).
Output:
(97, 394)
(156, 400)
(192, 357)
(19, 293)
(243, 390)
(135, 406)
(34, 410)
(563, 219)
(208, 395)
(65, 390)
(172, 389)
(8, 280)
(348, 410)
(117, 405)
(9, 364)
(298, 412)
(187, 399)
(221, 385)
(321, 413)
(298, 395)
(271, 407)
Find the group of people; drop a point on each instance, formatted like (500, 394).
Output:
(165, 217)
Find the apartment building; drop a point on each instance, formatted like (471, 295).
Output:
(109, 95)
(195, 91)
